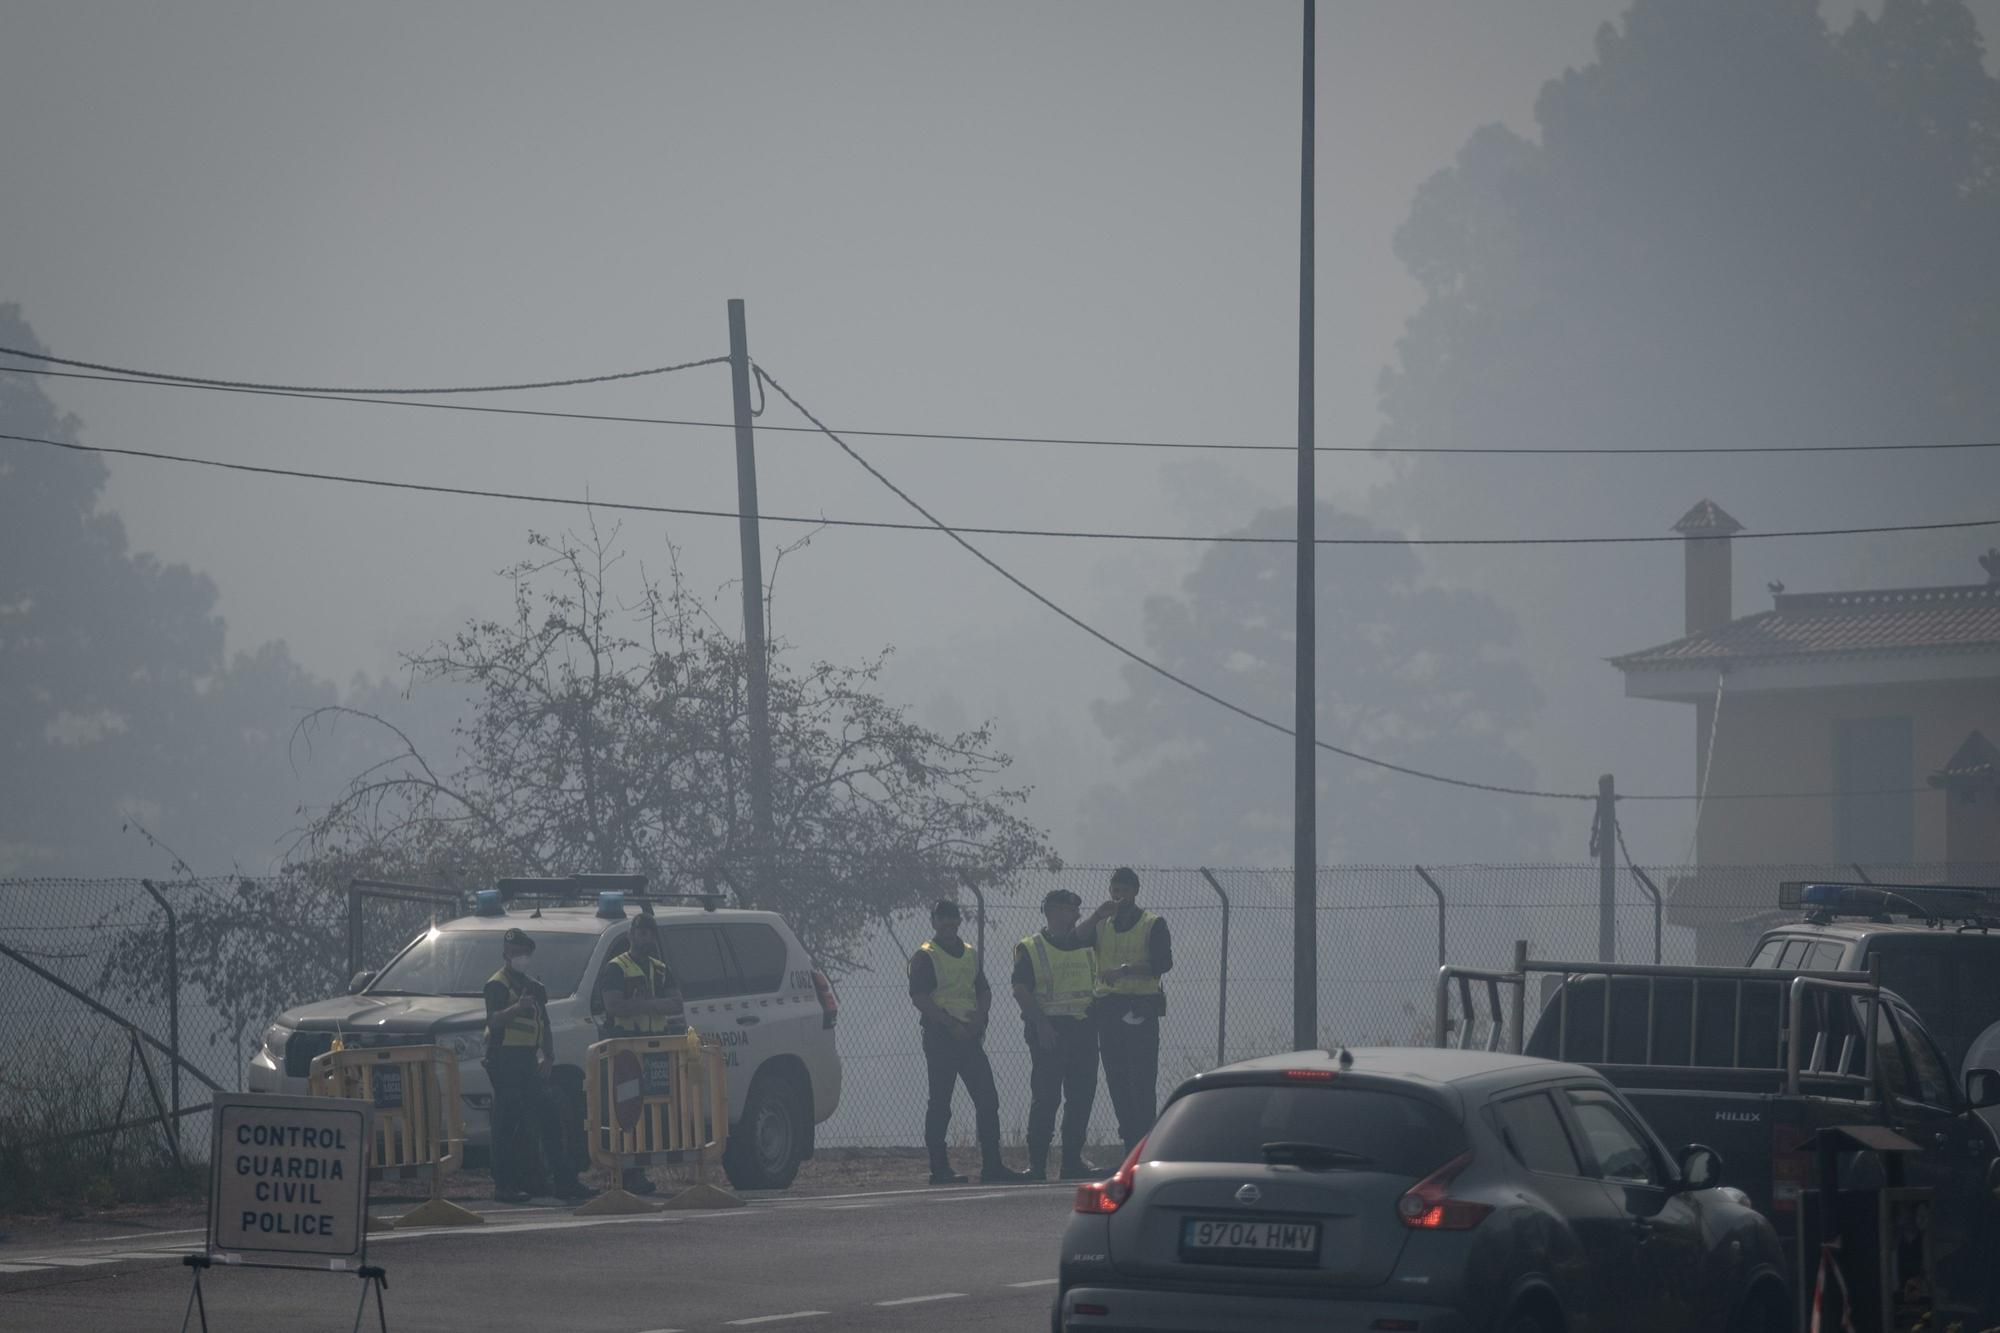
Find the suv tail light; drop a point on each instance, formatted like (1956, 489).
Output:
(1105, 1196)
(1429, 1206)
(829, 1007)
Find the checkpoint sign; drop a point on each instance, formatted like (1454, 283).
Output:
(288, 1181)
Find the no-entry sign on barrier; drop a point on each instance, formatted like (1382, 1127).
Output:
(288, 1182)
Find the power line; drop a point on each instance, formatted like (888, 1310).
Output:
(934, 525)
(1216, 699)
(197, 380)
(1074, 534)
(1503, 451)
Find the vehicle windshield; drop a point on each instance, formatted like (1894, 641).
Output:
(458, 962)
(1357, 1128)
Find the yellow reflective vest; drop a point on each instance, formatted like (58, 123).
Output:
(957, 990)
(1115, 948)
(652, 975)
(522, 1029)
(1065, 979)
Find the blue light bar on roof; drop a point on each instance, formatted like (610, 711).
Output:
(486, 902)
(611, 906)
(1897, 899)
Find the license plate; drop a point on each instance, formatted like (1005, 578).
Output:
(1214, 1236)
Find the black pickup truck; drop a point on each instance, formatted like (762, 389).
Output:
(1752, 1062)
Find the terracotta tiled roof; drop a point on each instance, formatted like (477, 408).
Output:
(1896, 621)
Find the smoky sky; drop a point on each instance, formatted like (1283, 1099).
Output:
(1045, 219)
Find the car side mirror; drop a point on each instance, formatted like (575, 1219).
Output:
(361, 980)
(1982, 1088)
(1701, 1167)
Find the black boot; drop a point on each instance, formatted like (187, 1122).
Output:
(1038, 1161)
(1075, 1168)
(941, 1172)
(997, 1172)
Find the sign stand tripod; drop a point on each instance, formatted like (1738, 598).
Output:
(197, 1262)
(375, 1280)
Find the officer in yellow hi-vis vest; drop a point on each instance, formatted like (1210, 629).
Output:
(1133, 952)
(1054, 986)
(950, 991)
(520, 1056)
(641, 998)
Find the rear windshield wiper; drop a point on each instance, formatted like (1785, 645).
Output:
(1291, 1152)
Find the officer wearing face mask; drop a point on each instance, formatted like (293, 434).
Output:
(520, 1057)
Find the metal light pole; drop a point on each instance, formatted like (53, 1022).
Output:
(1305, 778)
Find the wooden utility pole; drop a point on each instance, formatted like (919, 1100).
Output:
(1607, 870)
(1305, 776)
(755, 651)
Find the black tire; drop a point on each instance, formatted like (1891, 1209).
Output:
(1525, 1321)
(767, 1145)
(1764, 1311)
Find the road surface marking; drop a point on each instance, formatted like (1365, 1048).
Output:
(20, 1268)
(662, 1330)
(919, 1300)
(848, 1207)
(1038, 1282)
(974, 1198)
(80, 1261)
(774, 1318)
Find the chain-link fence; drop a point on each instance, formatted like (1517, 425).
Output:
(123, 1002)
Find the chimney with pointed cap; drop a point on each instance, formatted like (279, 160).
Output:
(1707, 530)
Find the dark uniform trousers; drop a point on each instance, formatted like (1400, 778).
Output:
(1131, 1053)
(527, 1126)
(1065, 1076)
(948, 1060)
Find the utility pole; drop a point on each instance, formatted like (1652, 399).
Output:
(1607, 870)
(1305, 695)
(754, 648)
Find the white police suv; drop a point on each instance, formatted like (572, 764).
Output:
(745, 977)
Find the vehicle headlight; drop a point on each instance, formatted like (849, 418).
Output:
(467, 1046)
(275, 1037)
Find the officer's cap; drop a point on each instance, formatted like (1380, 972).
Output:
(945, 907)
(1060, 898)
(1125, 875)
(516, 938)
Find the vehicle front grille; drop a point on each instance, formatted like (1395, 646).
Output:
(300, 1050)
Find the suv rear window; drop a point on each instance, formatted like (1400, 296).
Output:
(699, 960)
(1400, 1135)
(760, 955)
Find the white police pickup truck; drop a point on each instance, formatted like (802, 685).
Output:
(745, 977)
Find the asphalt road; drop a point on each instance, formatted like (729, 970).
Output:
(977, 1258)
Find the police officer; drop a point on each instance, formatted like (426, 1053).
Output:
(1133, 952)
(1054, 986)
(520, 1057)
(641, 998)
(951, 994)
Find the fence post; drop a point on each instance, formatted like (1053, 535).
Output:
(173, 1010)
(1519, 1023)
(1432, 885)
(1222, 995)
(1653, 890)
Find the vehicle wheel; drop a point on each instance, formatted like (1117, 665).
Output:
(1764, 1312)
(766, 1147)
(1525, 1321)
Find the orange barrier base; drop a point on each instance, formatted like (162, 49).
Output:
(439, 1213)
(703, 1195)
(616, 1203)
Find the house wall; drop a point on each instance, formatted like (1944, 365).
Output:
(1783, 741)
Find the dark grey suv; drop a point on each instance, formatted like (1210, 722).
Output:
(1434, 1191)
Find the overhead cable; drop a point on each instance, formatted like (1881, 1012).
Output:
(1499, 451)
(933, 526)
(166, 377)
(1074, 534)
(1173, 677)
